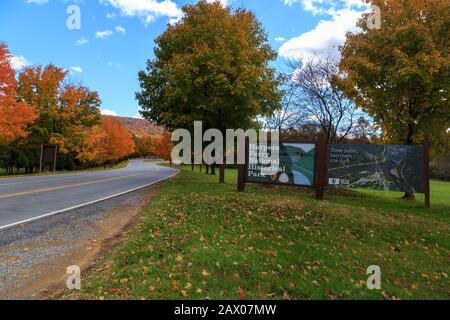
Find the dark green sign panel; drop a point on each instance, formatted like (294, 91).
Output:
(380, 167)
(295, 166)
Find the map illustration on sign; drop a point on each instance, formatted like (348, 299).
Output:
(296, 164)
(379, 167)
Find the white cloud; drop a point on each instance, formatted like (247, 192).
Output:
(19, 62)
(107, 112)
(147, 10)
(280, 39)
(82, 41)
(37, 1)
(326, 37)
(329, 7)
(110, 15)
(120, 29)
(76, 69)
(103, 34)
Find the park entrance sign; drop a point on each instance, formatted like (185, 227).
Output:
(379, 167)
(296, 165)
(320, 165)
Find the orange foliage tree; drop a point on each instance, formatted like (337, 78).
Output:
(14, 115)
(163, 146)
(64, 110)
(145, 146)
(107, 142)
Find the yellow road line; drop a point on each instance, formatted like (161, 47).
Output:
(12, 195)
(61, 177)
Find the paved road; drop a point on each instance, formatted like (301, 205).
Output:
(26, 199)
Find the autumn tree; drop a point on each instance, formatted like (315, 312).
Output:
(15, 114)
(145, 146)
(107, 142)
(211, 66)
(64, 110)
(399, 74)
(163, 146)
(93, 149)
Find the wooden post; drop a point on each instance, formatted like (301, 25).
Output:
(242, 170)
(321, 166)
(241, 178)
(222, 173)
(55, 158)
(42, 154)
(426, 171)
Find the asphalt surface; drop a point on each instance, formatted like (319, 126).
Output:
(26, 199)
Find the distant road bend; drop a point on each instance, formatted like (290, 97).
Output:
(25, 199)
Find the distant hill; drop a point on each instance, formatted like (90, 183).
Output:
(140, 127)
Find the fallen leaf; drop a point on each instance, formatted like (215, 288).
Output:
(205, 273)
(241, 292)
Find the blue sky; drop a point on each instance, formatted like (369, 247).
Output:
(117, 36)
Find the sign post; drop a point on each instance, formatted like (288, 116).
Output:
(426, 171)
(242, 170)
(40, 158)
(322, 167)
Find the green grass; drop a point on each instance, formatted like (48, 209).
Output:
(119, 165)
(202, 240)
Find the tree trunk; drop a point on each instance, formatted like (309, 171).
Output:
(222, 174)
(213, 170)
(409, 141)
(207, 169)
(408, 196)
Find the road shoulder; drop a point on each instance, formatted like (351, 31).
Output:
(34, 257)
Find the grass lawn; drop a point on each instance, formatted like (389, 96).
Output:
(202, 240)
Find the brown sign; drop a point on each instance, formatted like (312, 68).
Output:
(49, 155)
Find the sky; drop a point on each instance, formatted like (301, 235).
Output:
(112, 39)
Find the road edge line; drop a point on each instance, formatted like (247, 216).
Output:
(46, 215)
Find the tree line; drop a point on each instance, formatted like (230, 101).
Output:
(390, 85)
(41, 106)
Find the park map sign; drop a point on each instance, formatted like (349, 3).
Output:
(379, 167)
(296, 164)
(401, 168)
